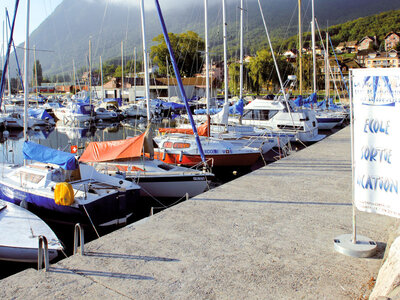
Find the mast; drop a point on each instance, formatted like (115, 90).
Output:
(134, 74)
(2, 53)
(166, 64)
(101, 75)
(8, 73)
(300, 53)
(207, 56)
(26, 75)
(313, 47)
(36, 77)
(146, 71)
(179, 81)
(225, 51)
(90, 72)
(241, 50)
(2, 82)
(327, 68)
(122, 71)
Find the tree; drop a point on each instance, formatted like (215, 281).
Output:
(234, 78)
(262, 70)
(37, 72)
(186, 47)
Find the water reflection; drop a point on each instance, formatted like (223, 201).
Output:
(63, 136)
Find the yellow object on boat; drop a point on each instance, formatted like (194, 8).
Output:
(63, 194)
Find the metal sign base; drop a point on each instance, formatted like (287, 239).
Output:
(364, 246)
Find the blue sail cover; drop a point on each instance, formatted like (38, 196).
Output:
(299, 101)
(39, 113)
(45, 154)
(237, 108)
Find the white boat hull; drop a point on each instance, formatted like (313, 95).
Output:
(19, 234)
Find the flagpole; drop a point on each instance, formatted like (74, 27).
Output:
(351, 244)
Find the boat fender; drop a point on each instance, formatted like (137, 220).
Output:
(164, 154)
(63, 194)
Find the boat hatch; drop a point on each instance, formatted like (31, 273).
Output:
(165, 167)
(181, 145)
(30, 177)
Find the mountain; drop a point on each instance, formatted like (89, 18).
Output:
(64, 36)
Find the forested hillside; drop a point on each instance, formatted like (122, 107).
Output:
(65, 34)
(377, 25)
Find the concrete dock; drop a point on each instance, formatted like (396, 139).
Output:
(266, 235)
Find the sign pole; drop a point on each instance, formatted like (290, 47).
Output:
(351, 244)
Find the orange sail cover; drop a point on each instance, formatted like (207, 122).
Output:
(201, 130)
(113, 150)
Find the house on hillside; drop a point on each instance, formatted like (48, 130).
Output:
(362, 55)
(388, 59)
(367, 42)
(337, 69)
(341, 48)
(352, 47)
(391, 40)
(290, 55)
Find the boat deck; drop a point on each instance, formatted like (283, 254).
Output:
(266, 235)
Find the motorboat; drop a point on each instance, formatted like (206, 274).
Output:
(20, 230)
(75, 112)
(281, 115)
(105, 115)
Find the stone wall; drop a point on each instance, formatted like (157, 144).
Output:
(388, 282)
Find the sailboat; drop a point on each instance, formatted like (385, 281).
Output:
(19, 234)
(133, 159)
(179, 147)
(57, 186)
(127, 159)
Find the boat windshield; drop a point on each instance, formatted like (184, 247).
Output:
(259, 114)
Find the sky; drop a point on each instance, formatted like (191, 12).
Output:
(39, 11)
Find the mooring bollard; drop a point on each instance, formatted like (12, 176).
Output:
(79, 229)
(43, 243)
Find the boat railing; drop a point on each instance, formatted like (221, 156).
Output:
(79, 238)
(43, 252)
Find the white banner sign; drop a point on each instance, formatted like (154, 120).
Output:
(376, 104)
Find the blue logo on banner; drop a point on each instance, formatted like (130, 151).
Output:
(375, 85)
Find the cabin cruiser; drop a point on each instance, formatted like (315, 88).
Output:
(75, 112)
(281, 115)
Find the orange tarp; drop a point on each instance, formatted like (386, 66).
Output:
(201, 130)
(113, 150)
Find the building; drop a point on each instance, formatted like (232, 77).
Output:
(391, 40)
(341, 48)
(362, 55)
(367, 42)
(388, 59)
(291, 55)
(159, 88)
(352, 47)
